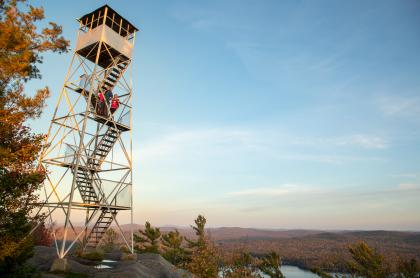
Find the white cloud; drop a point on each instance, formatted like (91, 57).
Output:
(398, 105)
(286, 189)
(332, 159)
(407, 186)
(224, 142)
(366, 141)
(362, 140)
(199, 141)
(405, 175)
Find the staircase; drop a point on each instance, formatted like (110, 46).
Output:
(84, 179)
(111, 77)
(113, 74)
(84, 183)
(100, 228)
(103, 148)
(86, 172)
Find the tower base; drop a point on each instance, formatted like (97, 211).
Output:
(60, 265)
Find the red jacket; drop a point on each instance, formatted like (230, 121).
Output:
(115, 103)
(101, 96)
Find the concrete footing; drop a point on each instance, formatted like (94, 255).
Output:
(129, 257)
(60, 265)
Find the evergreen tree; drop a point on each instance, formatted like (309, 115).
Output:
(148, 241)
(367, 262)
(270, 265)
(173, 250)
(204, 259)
(200, 232)
(21, 46)
(241, 265)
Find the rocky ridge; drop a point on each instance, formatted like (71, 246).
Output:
(147, 265)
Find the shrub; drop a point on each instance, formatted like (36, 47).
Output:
(94, 255)
(108, 243)
(43, 235)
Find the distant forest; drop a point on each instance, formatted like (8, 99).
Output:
(327, 250)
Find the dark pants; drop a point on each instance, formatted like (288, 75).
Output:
(101, 109)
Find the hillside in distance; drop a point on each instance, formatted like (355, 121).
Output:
(303, 248)
(233, 233)
(310, 248)
(328, 250)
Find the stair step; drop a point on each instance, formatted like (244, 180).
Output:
(114, 74)
(101, 226)
(88, 192)
(106, 143)
(112, 78)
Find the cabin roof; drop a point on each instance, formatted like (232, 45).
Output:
(110, 11)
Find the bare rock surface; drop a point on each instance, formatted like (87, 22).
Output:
(146, 266)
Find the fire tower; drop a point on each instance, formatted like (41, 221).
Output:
(88, 158)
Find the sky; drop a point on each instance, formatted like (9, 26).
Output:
(268, 114)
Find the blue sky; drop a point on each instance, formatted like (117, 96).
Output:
(273, 114)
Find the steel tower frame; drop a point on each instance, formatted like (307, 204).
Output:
(88, 156)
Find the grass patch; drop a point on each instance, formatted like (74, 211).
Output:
(93, 256)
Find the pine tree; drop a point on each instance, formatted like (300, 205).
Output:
(367, 262)
(148, 241)
(200, 232)
(242, 264)
(270, 265)
(204, 260)
(21, 46)
(174, 252)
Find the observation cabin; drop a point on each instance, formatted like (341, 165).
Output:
(107, 26)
